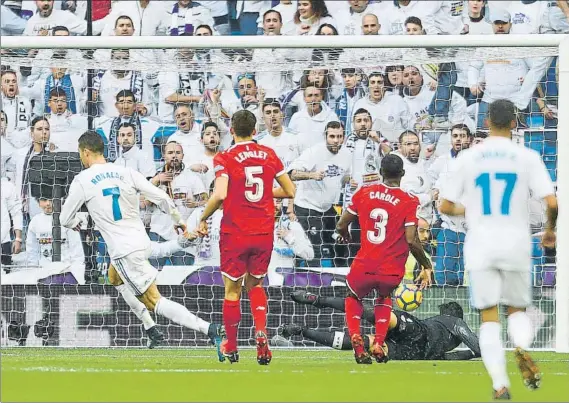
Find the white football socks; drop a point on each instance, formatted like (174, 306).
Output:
(493, 354)
(520, 329)
(136, 306)
(179, 314)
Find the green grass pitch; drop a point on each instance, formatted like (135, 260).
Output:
(89, 375)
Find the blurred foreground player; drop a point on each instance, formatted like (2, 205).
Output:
(245, 174)
(493, 183)
(388, 222)
(408, 337)
(111, 194)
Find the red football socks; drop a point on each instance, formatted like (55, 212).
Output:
(258, 299)
(382, 311)
(354, 310)
(231, 319)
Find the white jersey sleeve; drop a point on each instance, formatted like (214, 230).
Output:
(73, 202)
(540, 182)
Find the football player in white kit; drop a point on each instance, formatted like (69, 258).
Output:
(111, 193)
(493, 183)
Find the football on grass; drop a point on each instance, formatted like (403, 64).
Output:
(408, 297)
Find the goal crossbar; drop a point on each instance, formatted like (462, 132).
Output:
(253, 42)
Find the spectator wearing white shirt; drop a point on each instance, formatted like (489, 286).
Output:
(201, 162)
(46, 17)
(188, 134)
(370, 25)
(107, 84)
(310, 15)
(149, 17)
(349, 21)
(283, 141)
(353, 90)
(131, 156)
(125, 106)
(251, 96)
(417, 96)
(287, 10)
(6, 150)
(476, 19)
(324, 79)
(367, 148)
(274, 83)
(11, 218)
(449, 260)
(11, 24)
(17, 108)
(186, 16)
(40, 136)
(310, 122)
(210, 94)
(220, 13)
(400, 10)
(559, 16)
(448, 17)
(66, 127)
(72, 83)
(528, 16)
(415, 180)
(512, 79)
(442, 81)
(39, 240)
(321, 171)
(388, 110)
(186, 190)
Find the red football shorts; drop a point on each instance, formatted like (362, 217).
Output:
(245, 254)
(365, 277)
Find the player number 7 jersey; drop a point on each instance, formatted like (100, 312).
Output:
(251, 170)
(384, 212)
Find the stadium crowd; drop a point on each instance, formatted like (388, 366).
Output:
(329, 126)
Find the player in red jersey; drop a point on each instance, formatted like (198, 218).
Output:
(245, 174)
(388, 218)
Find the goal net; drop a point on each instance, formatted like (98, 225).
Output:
(55, 292)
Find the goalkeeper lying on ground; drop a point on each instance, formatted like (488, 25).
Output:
(408, 338)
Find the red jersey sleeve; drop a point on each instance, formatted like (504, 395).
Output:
(220, 166)
(355, 202)
(411, 213)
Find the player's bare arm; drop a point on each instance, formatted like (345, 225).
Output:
(214, 203)
(287, 189)
(549, 238)
(418, 253)
(343, 225)
(297, 175)
(450, 208)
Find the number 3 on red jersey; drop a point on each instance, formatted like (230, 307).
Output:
(254, 184)
(380, 218)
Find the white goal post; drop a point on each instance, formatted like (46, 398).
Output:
(476, 45)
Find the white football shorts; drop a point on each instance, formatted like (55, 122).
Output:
(136, 271)
(492, 287)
